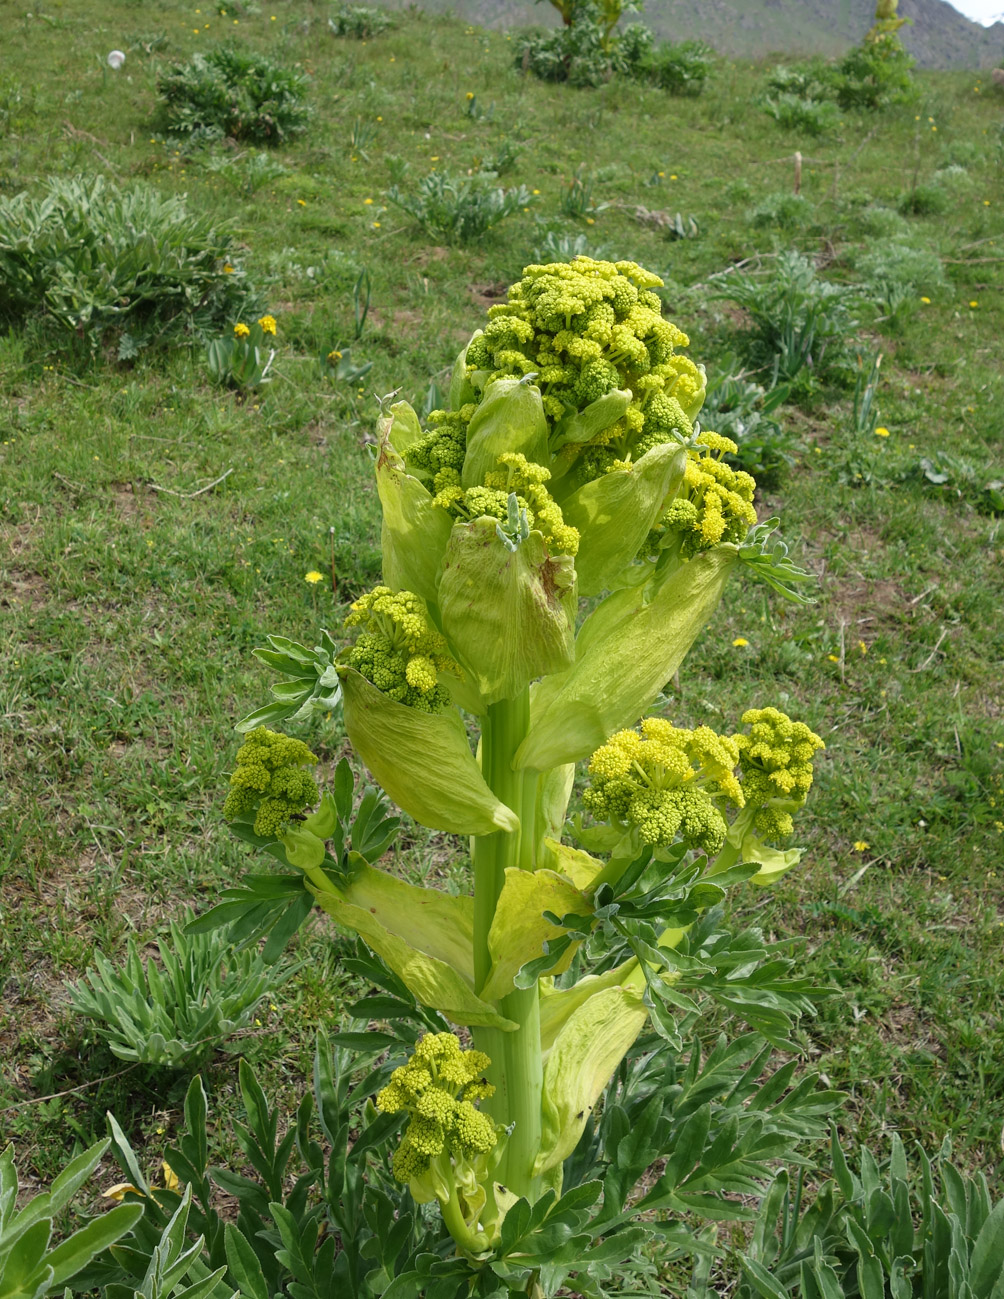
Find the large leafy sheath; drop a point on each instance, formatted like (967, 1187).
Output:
(615, 512)
(426, 937)
(590, 1046)
(509, 615)
(413, 533)
(422, 760)
(619, 674)
(509, 418)
(520, 928)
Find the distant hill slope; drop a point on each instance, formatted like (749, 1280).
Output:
(940, 37)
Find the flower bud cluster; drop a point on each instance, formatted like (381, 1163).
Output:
(399, 650)
(775, 759)
(270, 779)
(714, 504)
(437, 1088)
(666, 782)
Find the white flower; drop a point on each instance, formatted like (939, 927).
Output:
(116, 59)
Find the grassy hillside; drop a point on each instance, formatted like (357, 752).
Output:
(153, 526)
(940, 36)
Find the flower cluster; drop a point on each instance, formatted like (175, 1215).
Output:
(399, 650)
(588, 329)
(775, 759)
(666, 783)
(515, 474)
(270, 780)
(714, 504)
(437, 1088)
(267, 324)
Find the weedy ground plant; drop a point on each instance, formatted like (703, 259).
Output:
(569, 463)
(230, 92)
(125, 265)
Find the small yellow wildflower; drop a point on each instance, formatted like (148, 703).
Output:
(376, 225)
(740, 641)
(302, 202)
(433, 157)
(228, 269)
(974, 303)
(590, 221)
(926, 301)
(862, 647)
(335, 356)
(861, 845)
(267, 324)
(833, 658)
(241, 330)
(674, 176)
(367, 200)
(986, 202)
(313, 577)
(470, 95)
(881, 432)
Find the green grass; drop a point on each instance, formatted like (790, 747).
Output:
(129, 604)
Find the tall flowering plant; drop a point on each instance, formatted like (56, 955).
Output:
(553, 544)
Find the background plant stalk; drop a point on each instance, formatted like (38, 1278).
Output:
(516, 1069)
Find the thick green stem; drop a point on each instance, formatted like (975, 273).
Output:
(516, 1069)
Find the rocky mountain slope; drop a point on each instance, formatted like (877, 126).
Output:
(940, 36)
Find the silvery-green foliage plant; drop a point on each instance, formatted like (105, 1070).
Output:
(173, 1013)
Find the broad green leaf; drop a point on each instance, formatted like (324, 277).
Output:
(987, 1266)
(621, 673)
(581, 1062)
(519, 929)
(422, 760)
(67, 1259)
(244, 1265)
(573, 863)
(425, 936)
(615, 512)
(557, 1006)
(509, 615)
(413, 533)
(509, 418)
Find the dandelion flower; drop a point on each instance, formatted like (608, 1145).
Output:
(470, 95)
(115, 59)
(228, 269)
(740, 642)
(974, 303)
(335, 356)
(926, 301)
(861, 845)
(313, 577)
(241, 330)
(367, 201)
(881, 432)
(302, 202)
(267, 324)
